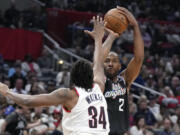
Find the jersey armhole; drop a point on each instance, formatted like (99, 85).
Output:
(76, 91)
(68, 111)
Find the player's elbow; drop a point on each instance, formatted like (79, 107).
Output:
(139, 58)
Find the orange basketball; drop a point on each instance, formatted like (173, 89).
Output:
(116, 21)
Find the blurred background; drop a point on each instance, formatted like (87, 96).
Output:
(40, 39)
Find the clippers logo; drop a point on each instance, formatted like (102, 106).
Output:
(117, 90)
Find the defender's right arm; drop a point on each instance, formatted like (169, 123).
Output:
(59, 96)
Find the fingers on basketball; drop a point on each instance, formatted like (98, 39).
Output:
(123, 9)
(126, 15)
(116, 20)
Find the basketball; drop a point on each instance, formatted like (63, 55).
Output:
(116, 21)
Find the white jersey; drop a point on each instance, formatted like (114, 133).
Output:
(89, 116)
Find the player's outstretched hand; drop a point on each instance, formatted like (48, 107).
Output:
(131, 19)
(3, 89)
(98, 31)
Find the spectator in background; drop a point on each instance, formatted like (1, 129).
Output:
(19, 87)
(178, 95)
(150, 82)
(169, 101)
(45, 60)
(167, 127)
(144, 111)
(9, 109)
(169, 68)
(57, 115)
(175, 83)
(131, 101)
(176, 127)
(140, 126)
(89, 52)
(154, 107)
(17, 122)
(51, 86)
(17, 74)
(78, 51)
(63, 77)
(175, 62)
(13, 69)
(30, 66)
(31, 79)
(38, 116)
(11, 16)
(147, 38)
(132, 111)
(36, 89)
(128, 36)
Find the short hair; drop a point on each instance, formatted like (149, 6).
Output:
(114, 53)
(82, 75)
(137, 119)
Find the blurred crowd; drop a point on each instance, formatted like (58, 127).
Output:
(31, 77)
(152, 9)
(32, 18)
(151, 114)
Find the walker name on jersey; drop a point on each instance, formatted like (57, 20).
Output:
(117, 90)
(93, 97)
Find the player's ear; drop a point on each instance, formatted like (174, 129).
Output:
(119, 66)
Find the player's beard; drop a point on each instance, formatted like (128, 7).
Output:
(111, 76)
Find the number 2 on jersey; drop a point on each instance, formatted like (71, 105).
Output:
(121, 101)
(102, 119)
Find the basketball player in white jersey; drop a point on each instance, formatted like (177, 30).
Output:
(85, 108)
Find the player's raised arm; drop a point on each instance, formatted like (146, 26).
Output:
(108, 42)
(134, 66)
(59, 96)
(97, 34)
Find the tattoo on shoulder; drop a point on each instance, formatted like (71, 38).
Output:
(63, 93)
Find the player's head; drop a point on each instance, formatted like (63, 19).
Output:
(112, 65)
(82, 75)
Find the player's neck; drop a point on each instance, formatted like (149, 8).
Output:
(114, 79)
